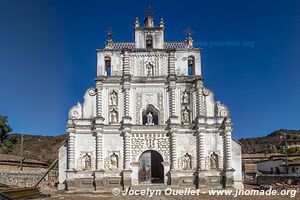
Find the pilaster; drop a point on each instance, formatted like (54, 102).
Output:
(227, 143)
(71, 148)
(200, 108)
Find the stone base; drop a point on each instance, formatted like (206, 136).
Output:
(70, 180)
(99, 176)
(209, 179)
(126, 120)
(174, 178)
(173, 120)
(126, 178)
(228, 178)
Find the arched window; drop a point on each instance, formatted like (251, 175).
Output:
(149, 42)
(191, 65)
(150, 115)
(107, 65)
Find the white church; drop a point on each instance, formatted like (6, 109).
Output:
(149, 120)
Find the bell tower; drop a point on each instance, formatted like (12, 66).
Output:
(149, 36)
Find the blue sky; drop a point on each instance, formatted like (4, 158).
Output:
(48, 56)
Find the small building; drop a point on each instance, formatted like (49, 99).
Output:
(276, 165)
(293, 167)
(293, 142)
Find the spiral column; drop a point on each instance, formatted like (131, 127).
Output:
(71, 150)
(227, 149)
(127, 156)
(200, 109)
(99, 89)
(200, 150)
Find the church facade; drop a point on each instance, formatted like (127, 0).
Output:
(149, 120)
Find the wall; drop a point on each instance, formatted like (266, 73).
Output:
(275, 178)
(20, 178)
(266, 166)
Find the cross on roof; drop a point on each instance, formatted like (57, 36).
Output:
(189, 32)
(149, 11)
(109, 32)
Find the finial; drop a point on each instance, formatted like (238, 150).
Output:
(188, 32)
(189, 40)
(149, 11)
(161, 23)
(136, 23)
(109, 33)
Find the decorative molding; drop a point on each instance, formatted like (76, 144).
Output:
(148, 141)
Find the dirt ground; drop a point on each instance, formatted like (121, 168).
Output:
(54, 195)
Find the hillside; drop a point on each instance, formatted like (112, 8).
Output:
(44, 148)
(268, 144)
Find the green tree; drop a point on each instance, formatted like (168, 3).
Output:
(4, 127)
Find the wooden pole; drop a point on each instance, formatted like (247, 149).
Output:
(22, 140)
(51, 166)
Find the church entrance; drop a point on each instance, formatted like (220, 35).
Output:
(151, 169)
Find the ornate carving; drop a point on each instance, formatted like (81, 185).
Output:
(149, 119)
(205, 91)
(142, 142)
(186, 162)
(185, 115)
(87, 162)
(160, 107)
(92, 92)
(76, 112)
(213, 161)
(113, 98)
(223, 113)
(185, 97)
(113, 160)
(113, 116)
(138, 107)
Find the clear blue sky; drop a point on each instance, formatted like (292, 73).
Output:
(48, 56)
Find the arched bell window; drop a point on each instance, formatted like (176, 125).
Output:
(191, 65)
(149, 42)
(107, 60)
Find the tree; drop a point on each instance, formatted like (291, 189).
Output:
(4, 127)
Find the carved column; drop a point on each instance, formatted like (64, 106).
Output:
(227, 144)
(126, 68)
(99, 89)
(171, 62)
(71, 149)
(127, 155)
(227, 149)
(200, 108)
(99, 157)
(200, 150)
(126, 124)
(173, 151)
(172, 87)
(126, 87)
(126, 99)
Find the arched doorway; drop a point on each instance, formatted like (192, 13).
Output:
(151, 169)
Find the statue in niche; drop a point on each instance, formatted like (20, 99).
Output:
(214, 161)
(185, 115)
(149, 119)
(87, 162)
(185, 97)
(186, 162)
(113, 116)
(113, 99)
(113, 161)
(149, 69)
